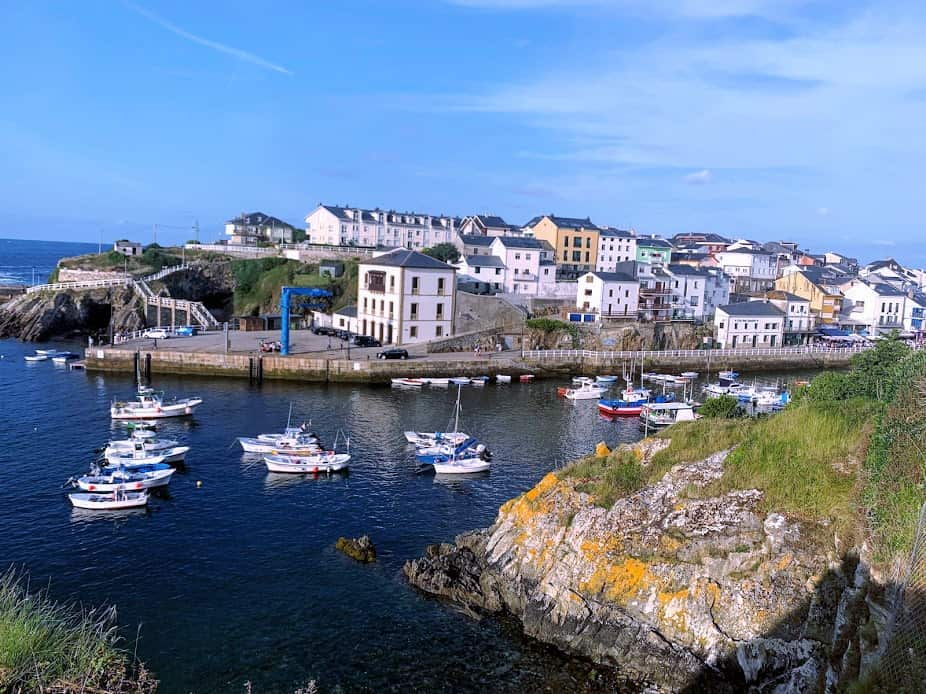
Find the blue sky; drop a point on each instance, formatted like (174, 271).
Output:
(765, 119)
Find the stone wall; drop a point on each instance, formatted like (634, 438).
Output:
(70, 275)
(475, 313)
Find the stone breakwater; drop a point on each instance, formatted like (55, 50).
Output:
(684, 593)
(301, 368)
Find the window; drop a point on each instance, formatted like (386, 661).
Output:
(391, 309)
(440, 312)
(588, 242)
(413, 331)
(565, 256)
(440, 285)
(376, 281)
(587, 257)
(415, 284)
(414, 311)
(577, 256)
(439, 331)
(610, 292)
(577, 242)
(364, 303)
(527, 256)
(517, 256)
(588, 292)
(475, 272)
(498, 271)
(391, 283)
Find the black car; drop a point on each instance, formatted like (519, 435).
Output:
(324, 330)
(365, 341)
(393, 354)
(342, 334)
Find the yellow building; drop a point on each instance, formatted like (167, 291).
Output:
(574, 240)
(813, 284)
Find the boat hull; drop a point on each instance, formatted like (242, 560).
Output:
(175, 454)
(131, 411)
(307, 465)
(148, 480)
(466, 466)
(107, 502)
(501, 378)
(628, 411)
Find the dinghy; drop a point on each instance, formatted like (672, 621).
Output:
(433, 438)
(62, 358)
(502, 378)
(587, 391)
(620, 408)
(407, 382)
(436, 381)
(148, 441)
(36, 357)
(46, 352)
(109, 502)
(460, 380)
(526, 378)
(174, 454)
(606, 379)
(130, 467)
(323, 462)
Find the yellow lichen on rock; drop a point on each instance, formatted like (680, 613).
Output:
(619, 582)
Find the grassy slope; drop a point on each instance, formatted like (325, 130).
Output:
(258, 283)
(44, 645)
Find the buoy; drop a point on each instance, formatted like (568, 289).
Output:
(199, 483)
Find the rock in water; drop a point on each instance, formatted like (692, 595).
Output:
(671, 586)
(361, 548)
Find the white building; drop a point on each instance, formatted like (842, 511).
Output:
(488, 225)
(615, 246)
(799, 323)
(523, 257)
(346, 319)
(749, 324)
(752, 271)
(127, 248)
(347, 226)
(485, 268)
(473, 244)
(611, 295)
(249, 229)
(877, 306)
(697, 291)
(406, 297)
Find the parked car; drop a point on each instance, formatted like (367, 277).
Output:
(343, 334)
(185, 331)
(157, 333)
(393, 354)
(365, 341)
(324, 330)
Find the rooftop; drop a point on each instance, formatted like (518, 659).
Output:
(751, 308)
(520, 242)
(258, 219)
(614, 277)
(779, 295)
(349, 311)
(402, 257)
(651, 242)
(484, 261)
(564, 222)
(477, 240)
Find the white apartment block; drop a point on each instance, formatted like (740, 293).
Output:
(347, 226)
(800, 323)
(611, 295)
(749, 324)
(485, 268)
(488, 225)
(877, 307)
(615, 246)
(752, 271)
(405, 297)
(249, 229)
(523, 257)
(697, 291)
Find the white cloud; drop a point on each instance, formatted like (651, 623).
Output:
(208, 43)
(701, 177)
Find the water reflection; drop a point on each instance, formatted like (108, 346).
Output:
(277, 481)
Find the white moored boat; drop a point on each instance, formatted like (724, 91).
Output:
(175, 454)
(310, 464)
(148, 442)
(436, 381)
(36, 357)
(294, 441)
(125, 480)
(587, 391)
(463, 460)
(502, 378)
(109, 502)
(434, 438)
(152, 405)
(407, 382)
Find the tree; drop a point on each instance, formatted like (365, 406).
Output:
(723, 407)
(445, 252)
(872, 368)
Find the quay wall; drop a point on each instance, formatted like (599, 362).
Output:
(307, 369)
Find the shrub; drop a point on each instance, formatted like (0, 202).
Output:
(724, 407)
(609, 478)
(445, 252)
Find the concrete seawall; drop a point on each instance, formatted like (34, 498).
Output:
(295, 368)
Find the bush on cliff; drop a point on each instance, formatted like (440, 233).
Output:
(723, 407)
(46, 646)
(608, 478)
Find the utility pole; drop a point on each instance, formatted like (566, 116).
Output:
(99, 249)
(155, 229)
(33, 275)
(196, 231)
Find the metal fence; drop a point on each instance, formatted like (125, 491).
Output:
(903, 662)
(573, 354)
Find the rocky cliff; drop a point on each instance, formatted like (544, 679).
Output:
(47, 315)
(671, 586)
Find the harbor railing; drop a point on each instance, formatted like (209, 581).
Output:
(573, 354)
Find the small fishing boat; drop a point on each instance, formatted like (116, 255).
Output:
(132, 467)
(436, 381)
(62, 358)
(637, 395)
(526, 378)
(294, 441)
(479, 381)
(690, 375)
(46, 352)
(606, 379)
(173, 454)
(152, 405)
(434, 438)
(587, 391)
(470, 447)
(461, 466)
(460, 380)
(327, 461)
(729, 375)
(36, 357)
(117, 500)
(124, 479)
(407, 382)
(581, 380)
(658, 415)
(463, 458)
(620, 408)
(147, 440)
(502, 378)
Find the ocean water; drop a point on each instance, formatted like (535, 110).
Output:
(19, 258)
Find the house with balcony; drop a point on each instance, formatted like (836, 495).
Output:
(574, 241)
(876, 307)
(608, 295)
(488, 269)
(696, 292)
(819, 286)
(473, 244)
(753, 271)
(250, 229)
(337, 225)
(529, 262)
(654, 301)
(653, 250)
(749, 324)
(615, 246)
(914, 320)
(405, 297)
(799, 322)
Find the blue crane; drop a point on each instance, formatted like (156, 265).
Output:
(312, 300)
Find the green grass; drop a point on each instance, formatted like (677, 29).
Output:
(693, 441)
(258, 283)
(793, 458)
(48, 646)
(609, 478)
